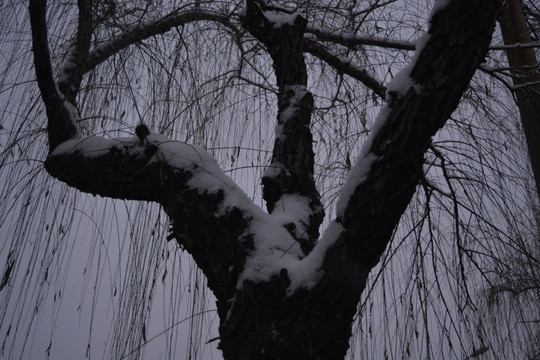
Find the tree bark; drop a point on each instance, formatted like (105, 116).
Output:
(316, 323)
(526, 78)
(216, 223)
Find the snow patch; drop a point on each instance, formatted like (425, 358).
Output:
(268, 261)
(92, 146)
(278, 20)
(293, 209)
(402, 81)
(273, 170)
(439, 5)
(297, 94)
(306, 272)
(357, 176)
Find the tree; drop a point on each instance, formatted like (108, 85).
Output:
(526, 77)
(281, 291)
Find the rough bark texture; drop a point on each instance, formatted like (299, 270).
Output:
(293, 147)
(264, 320)
(526, 78)
(316, 324)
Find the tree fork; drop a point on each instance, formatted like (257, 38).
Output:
(267, 319)
(288, 325)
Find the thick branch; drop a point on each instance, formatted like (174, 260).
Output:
(148, 29)
(526, 78)
(60, 113)
(210, 215)
(73, 71)
(289, 178)
(383, 181)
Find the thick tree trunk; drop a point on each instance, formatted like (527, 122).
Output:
(526, 78)
(267, 317)
(264, 321)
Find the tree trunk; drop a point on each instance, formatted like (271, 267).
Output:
(268, 318)
(526, 78)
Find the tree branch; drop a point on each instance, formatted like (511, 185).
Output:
(288, 182)
(425, 94)
(61, 114)
(148, 29)
(353, 40)
(211, 217)
(72, 73)
(345, 67)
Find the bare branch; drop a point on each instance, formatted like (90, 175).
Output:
(345, 67)
(152, 28)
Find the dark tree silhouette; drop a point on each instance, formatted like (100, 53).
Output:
(280, 292)
(389, 212)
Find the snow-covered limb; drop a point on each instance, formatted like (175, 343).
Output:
(354, 40)
(289, 178)
(70, 77)
(424, 96)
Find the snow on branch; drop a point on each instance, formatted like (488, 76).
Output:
(70, 77)
(421, 99)
(527, 45)
(353, 40)
(187, 181)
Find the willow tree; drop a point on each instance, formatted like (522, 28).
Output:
(284, 288)
(281, 291)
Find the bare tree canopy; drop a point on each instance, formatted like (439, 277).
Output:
(434, 216)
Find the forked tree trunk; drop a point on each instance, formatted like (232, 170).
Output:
(267, 319)
(264, 322)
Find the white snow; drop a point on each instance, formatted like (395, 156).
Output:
(400, 84)
(268, 261)
(298, 92)
(273, 170)
(278, 20)
(92, 146)
(293, 209)
(402, 81)
(439, 5)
